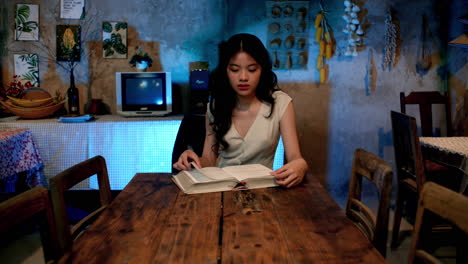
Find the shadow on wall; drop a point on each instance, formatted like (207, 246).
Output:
(102, 71)
(311, 103)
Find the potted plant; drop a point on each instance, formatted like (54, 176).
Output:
(140, 60)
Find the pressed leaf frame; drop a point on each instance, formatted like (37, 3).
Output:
(114, 40)
(27, 22)
(27, 68)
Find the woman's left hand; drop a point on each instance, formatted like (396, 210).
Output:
(291, 173)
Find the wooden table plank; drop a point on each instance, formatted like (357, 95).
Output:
(191, 234)
(300, 225)
(137, 223)
(251, 233)
(316, 228)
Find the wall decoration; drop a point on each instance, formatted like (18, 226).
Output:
(390, 48)
(353, 28)
(72, 9)
(424, 61)
(371, 74)
(288, 31)
(27, 68)
(324, 36)
(27, 22)
(68, 42)
(114, 40)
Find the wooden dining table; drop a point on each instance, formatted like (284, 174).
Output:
(152, 221)
(449, 151)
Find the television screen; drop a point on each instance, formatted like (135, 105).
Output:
(143, 93)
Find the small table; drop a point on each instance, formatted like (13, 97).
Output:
(19, 157)
(151, 221)
(450, 151)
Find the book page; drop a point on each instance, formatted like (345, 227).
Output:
(215, 173)
(197, 176)
(243, 172)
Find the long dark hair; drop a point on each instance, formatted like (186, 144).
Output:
(223, 96)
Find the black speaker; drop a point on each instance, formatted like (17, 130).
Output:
(199, 90)
(199, 80)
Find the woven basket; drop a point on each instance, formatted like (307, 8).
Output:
(26, 103)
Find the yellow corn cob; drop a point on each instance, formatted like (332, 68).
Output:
(330, 46)
(318, 19)
(323, 75)
(319, 62)
(327, 36)
(322, 47)
(318, 34)
(68, 39)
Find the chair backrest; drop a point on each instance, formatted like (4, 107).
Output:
(25, 206)
(408, 156)
(443, 202)
(378, 172)
(425, 100)
(191, 134)
(65, 180)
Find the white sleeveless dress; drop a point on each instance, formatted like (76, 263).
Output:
(260, 142)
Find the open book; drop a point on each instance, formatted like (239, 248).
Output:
(214, 179)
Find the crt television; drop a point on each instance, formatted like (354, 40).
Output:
(143, 93)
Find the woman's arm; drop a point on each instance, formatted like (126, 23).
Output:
(208, 157)
(294, 170)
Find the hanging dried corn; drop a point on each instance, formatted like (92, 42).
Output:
(326, 43)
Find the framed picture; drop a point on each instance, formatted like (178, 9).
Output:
(27, 67)
(72, 9)
(114, 40)
(68, 42)
(27, 22)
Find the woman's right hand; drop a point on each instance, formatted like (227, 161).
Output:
(185, 159)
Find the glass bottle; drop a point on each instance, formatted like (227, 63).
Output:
(73, 97)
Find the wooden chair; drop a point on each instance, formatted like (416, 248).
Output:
(425, 100)
(379, 172)
(191, 134)
(409, 164)
(445, 203)
(26, 205)
(65, 180)
(412, 170)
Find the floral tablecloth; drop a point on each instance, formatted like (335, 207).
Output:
(19, 155)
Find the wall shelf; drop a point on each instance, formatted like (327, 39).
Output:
(461, 41)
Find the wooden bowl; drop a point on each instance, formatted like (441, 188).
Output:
(32, 112)
(36, 93)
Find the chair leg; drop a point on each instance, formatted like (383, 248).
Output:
(397, 219)
(462, 247)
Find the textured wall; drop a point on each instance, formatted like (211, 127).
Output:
(333, 119)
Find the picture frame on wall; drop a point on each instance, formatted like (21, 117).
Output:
(27, 22)
(114, 40)
(27, 68)
(72, 9)
(68, 42)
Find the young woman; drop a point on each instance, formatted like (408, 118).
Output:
(247, 114)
